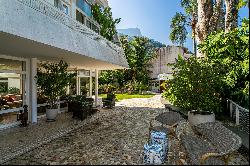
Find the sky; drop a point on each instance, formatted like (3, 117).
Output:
(152, 17)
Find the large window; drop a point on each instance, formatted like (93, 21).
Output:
(80, 17)
(12, 89)
(84, 6)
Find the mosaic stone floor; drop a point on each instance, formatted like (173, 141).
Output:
(111, 137)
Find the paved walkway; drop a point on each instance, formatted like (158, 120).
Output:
(111, 137)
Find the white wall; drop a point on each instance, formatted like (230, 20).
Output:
(165, 55)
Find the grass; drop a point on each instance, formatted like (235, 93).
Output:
(120, 97)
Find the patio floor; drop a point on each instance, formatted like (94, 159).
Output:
(110, 137)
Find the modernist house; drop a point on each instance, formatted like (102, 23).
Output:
(160, 70)
(49, 30)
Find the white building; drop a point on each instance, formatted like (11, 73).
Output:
(38, 30)
(160, 70)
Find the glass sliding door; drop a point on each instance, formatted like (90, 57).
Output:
(12, 90)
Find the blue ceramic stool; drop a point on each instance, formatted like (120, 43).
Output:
(153, 154)
(161, 139)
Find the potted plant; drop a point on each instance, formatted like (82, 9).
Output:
(52, 80)
(196, 88)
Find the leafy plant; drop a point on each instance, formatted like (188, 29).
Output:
(106, 21)
(231, 51)
(14, 90)
(52, 79)
(196, 85)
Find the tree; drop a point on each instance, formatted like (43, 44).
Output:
(178, 33)
(106, 21)
(207, 16)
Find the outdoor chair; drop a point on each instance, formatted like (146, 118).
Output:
(109, 102)
(208, 143)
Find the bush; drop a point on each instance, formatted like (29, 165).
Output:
(231, 51)
(196, 85)
(14, 90)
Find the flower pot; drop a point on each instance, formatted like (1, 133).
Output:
(195, 117)
(51, 114)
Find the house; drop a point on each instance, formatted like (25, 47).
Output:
(160, 71)
(49, 30)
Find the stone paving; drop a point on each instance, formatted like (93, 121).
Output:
(110, 137)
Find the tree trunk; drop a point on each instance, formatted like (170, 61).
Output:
(231, 18)
(205, 12)
(209, 19)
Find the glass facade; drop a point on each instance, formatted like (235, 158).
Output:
(12, 89)
(84, 6)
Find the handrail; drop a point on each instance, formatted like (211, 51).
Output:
(238, 105)
(53, 12)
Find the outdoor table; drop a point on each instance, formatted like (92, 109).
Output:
(170, 119)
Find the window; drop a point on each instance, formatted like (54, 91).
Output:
(80, 17)
(65, 9)
(84, 6)
(12, 89)
(88, 23)
(95, 28)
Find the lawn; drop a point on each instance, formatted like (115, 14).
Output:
(120, 97)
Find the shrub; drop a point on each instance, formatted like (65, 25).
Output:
(196, 85)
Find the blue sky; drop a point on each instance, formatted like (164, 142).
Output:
(152, 17)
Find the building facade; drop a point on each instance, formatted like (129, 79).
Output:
(32, 31)
(160, 71)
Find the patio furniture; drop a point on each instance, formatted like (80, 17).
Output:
(208, 143)
(153, 154)
(161, 139)
(109, 102)
(81, 106)
(168, 120)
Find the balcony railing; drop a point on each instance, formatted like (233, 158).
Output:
(239, 114)
(54, 13)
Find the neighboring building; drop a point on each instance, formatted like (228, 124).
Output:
(130, 32)
(39, 30)
(160, 70)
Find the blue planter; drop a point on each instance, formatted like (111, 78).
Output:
(161, 139)
(153, 154)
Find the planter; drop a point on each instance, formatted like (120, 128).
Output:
(51, 114)
(196, 118)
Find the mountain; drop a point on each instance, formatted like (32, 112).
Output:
(130, 32)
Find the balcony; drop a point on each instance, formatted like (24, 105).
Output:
(35, 28)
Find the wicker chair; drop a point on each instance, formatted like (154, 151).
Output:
(109, 102)
(208, 143)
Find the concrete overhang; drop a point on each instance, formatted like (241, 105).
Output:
(36, 29)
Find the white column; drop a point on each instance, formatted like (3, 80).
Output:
(90, 84)
(33, 87)
(28, 90)
(96, 87)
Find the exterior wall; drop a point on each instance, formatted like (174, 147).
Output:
(165, 55)
(37, 21)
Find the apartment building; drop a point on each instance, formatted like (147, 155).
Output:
(160, 71)
(32, 31)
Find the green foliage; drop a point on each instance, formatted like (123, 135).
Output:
(3, 87)
(196, 85)
(242, 3)
(139, 52)
(231, 51)
(14, 90)
(106, 21)
(178, 32)
(52, 80)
